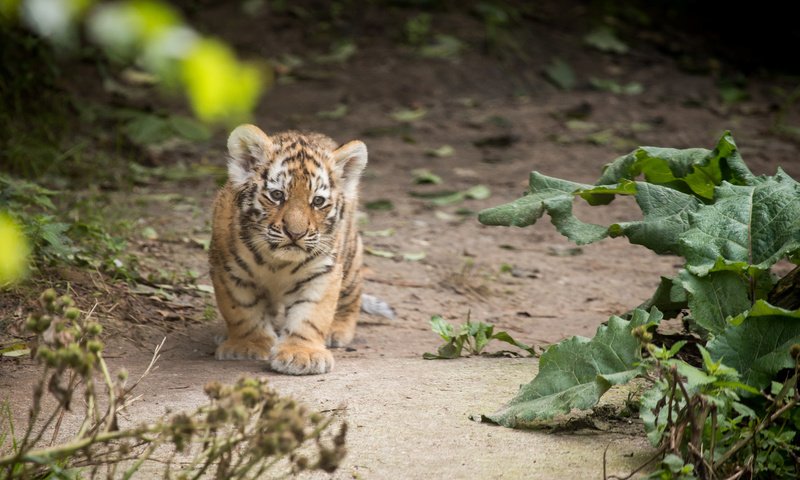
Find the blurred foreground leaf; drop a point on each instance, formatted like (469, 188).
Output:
(14, 250)
(220, 88)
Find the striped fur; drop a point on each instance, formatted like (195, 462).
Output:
(285, 251)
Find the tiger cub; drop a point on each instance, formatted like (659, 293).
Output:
(285, 251)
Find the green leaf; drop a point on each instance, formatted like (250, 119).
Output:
(505, 337)
(576, 372)
(691, 170)
(666, 211)
(380, 204)
(714, 298)
(425, 176)
(443, 151)
(339, 111)
(561, 74)
(747, 228)
(478, 192)
(413, 256)
(758, 343)
(447, 197)
(379, 253)
(668, 298)
(440, 326)
(482, 336)
(408, 115)
(551, 195)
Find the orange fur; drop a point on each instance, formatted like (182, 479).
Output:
(285, 252)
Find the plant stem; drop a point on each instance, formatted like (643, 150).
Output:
(764, 424)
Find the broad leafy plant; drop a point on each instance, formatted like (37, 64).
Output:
(717, 414)
(472, 337)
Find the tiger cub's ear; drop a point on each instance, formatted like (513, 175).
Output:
(247, 146)
(350, 159)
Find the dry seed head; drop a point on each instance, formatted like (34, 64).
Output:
(94, 346)
(44, 323)
(32, 323)
(94, 328)
(49, 295)
(250, 396)
(213, 390)
(794, 351)
(64, 301)
(72, 313)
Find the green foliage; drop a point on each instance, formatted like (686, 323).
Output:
(152, 34)
(243, 431)
(757, 343)
(85, 242)
(577, 372)
(731, 227)
(472, 336)
(418, 28)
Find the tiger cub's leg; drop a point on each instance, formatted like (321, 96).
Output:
(301, 348)
(247, 337)
(349, 303)
(343, 327)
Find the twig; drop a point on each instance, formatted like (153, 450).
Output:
(765, 423)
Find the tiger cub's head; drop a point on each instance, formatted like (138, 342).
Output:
(291, 189)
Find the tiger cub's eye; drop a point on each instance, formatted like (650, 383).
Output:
(318, 201)
(276, 195)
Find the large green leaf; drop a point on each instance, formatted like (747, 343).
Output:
(666, 211)
(714, 298)
(691, 170)
(757, 343)
(551, 195)
(670, 299)
(748, 228)
(576, 372)
(666, 218)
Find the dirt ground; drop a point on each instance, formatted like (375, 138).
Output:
(408, 417)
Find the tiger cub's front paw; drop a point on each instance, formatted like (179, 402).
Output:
(245, 349)
(301, 359)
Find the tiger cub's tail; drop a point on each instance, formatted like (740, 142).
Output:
(375, 306)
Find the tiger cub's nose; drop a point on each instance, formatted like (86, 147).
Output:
(294, 235)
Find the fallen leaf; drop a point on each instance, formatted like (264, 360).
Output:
(150, 233)
(413, 256)
(337, 112)
(381, 204)
(409, 115)
(379, 253)
(425, 176)
(561, 74)
(443, 151)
